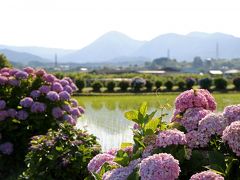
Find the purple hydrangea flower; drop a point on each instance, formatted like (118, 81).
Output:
(22, 115)
(81, 109)
(68, 89)
(3, 80)
(44, 89)
(64, 82)
(73, 86)
(49, 78)
(75, 112)
(64, 96)
(21, 75)
(206, 175)
(112, 151)
(69, 119)
(231, 136)
(159, 166)
(69, 80)
(196, 139)
(57, 112)
(26, 102)
(53, 96)
(212, 124)
(57, 87)
(13, 82)
(3, 115)
(6, 148)
(67, 108)
(170, 137)
(35, 93)
(12, 113)
(12, 72)
(98, 161)
(6, 74)
(74, 103)
(38, 107)
(212, 105)
(2, 104)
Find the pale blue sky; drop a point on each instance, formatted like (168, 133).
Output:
(76, 23)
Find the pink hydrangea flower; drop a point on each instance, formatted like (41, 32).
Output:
(117, 174)
(191, 118)
(112, 151)
(40, 72)
(206, 175)
(159, 166)
(170, 137)
(195, 139)
(189, 99)
(231, 136)
(98, 161)
(212, 105)
(29, 70)
(148, 151)
(212, 124)
(232, 113)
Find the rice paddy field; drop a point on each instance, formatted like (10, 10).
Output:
(104, 116)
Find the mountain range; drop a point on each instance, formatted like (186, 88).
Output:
(115, 46)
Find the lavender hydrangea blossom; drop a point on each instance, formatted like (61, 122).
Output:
(98, 161)
(232, 113)
(57, 112)
(38, 107)
(22, 115)
(2, 104)
(53, 96)
(206, 175)
(64, 96)
(231, 136)
(26, 102)
(57, 87)
(170, 137)
(159, 166)
(6, 148)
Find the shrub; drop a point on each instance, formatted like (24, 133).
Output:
(110, 86)
(4, 62)
(181, 85)
(137, 84)
(80, 83)
(64, 154)
(205, 83)
(97, 86)
(236, 83)
(123, 85)
(220, 83)
(190, 83)
(162, 150)
(32, 101)
(158, 84)
(169, 85)
(149, 85)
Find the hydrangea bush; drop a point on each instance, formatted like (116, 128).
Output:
(198, 144)
(31, 102)
(61, 154)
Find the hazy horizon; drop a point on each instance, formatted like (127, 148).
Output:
(74, 24)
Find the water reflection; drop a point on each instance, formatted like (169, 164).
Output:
(106, 121)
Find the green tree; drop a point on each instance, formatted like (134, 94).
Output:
(4, 62)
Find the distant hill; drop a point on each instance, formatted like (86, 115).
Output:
(186, 47)
(21, 57)
(46, 53)
(109, 46)
(117, 48)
